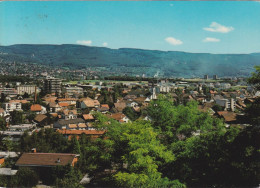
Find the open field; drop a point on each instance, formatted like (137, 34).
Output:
(201, 80)
(105, 81)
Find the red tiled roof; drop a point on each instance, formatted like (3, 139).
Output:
(78, 132)
(117, 116)
(228, 116)
(105, 105)
(40, 117)
(88, 117)
(45, 159)
(36, 107)
(67, 99)
(19, 101)
(64, 104)
(120, 106)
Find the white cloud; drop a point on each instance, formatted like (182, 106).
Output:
(173, 41)
(105, 44)
(209, 39)
(84, 42)
(216, 27)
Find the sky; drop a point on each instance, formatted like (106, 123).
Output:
(190, 26)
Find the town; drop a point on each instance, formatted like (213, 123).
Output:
(73, 108)
(130, 94)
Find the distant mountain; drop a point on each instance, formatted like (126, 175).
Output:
(133, 61)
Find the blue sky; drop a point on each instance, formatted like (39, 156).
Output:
(214, 27)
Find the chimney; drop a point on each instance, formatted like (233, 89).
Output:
(58, 161)
(35, 94)
(33, 150)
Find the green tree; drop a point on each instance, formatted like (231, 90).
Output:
(26, 106)
(217, 159)
(3, 98)
(183, 120)
(131, 114)
(17, 117)
(26, 95)
(26, 177)
(255, 78)
(253, 110)
(2, 124)
(74, 145)
(143, 157)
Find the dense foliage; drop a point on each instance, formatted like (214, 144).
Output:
(179, 147)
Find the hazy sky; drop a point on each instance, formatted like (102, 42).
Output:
(215, 27)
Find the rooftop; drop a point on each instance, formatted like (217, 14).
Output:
(45, 159)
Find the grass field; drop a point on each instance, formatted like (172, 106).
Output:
(201, 80)
(104, 81)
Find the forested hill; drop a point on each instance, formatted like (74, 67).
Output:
(133, 61)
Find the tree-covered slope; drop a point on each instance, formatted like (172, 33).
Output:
(133, 61)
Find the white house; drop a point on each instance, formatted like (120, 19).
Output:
(11, 106)
(132, 104)
(3, 113)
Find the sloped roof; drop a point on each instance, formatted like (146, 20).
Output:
(140, 99)
(105, 105)
(19, 101)
(45, 159)
(53, 105)
(63, 104)
(120, 105)
(40, 117)
(82, 125)
(117, 116)
(78, 132)
(67, 99)
(73, 126)
(88, 116)
(36, 107)
(70, 121)
(49, 98)
(67, 112)
(89, 103)
(228, 116)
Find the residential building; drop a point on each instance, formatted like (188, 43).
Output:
(228, 104)
(92, 133)
(8, 91)
(38, 109)
(73, 90)
(30, 89)
(120, 117)
(37, 160)
(68, 114)
(52, 85)
(54, 107)
(3, 113)
(225, 85)
(11, 106)
(89, 103)
(69, 124)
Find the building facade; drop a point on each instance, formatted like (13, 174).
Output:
(52, 85)
(30, 89)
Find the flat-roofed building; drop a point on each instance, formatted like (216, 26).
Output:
(8, 91)
(11, 106)
(30, 89)
(73, 90)
(52, 85)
